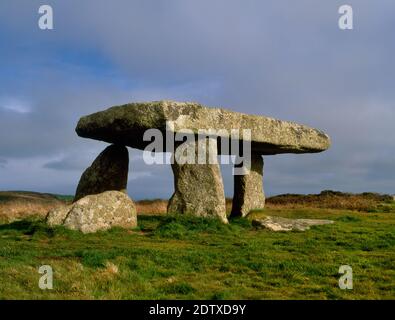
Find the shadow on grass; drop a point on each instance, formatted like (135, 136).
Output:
(179, 227)
(30, 228)
(163, 226)
(22, 226)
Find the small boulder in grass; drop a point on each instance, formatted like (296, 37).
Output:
(285, 224)
(57, 215)
(96, 213)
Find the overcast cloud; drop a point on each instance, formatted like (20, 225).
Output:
(286, 59)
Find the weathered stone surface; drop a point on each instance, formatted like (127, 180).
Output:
(248, 189)
(285, 224)
(96, 212)
(108, 172)
(199, 190)
(57, 215)
(126, 125)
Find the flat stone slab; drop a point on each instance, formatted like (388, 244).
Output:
(126, 125)
(285, 224)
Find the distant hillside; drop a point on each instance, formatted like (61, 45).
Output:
(6, 196)
(367, 201)
(19, 204)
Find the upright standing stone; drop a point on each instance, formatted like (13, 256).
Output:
(199, 189)
(109, 172)
(248, 189)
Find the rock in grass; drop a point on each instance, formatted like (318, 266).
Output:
(285, 224)
(108, 172)
(57, 215)
(96, 213)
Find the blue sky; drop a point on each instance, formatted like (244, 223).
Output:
(284, 59)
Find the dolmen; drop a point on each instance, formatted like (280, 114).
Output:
(196, 137)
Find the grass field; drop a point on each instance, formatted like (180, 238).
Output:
(190, 258)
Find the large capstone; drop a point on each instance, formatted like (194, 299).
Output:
(199, 189)
(127, 124)
(108, 172)
(96, 213)
(248, 189)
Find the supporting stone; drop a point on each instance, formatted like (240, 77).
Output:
(248, 189)
(199, 189)
(109, 172)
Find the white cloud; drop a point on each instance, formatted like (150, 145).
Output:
(284, 59)
(15, 105)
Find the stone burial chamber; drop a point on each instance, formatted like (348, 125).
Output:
(199, 188)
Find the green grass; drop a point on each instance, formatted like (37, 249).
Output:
(63, 197)
(169, 257)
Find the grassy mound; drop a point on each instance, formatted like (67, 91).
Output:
(368, 201)
(192, 258)
(21, 204)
